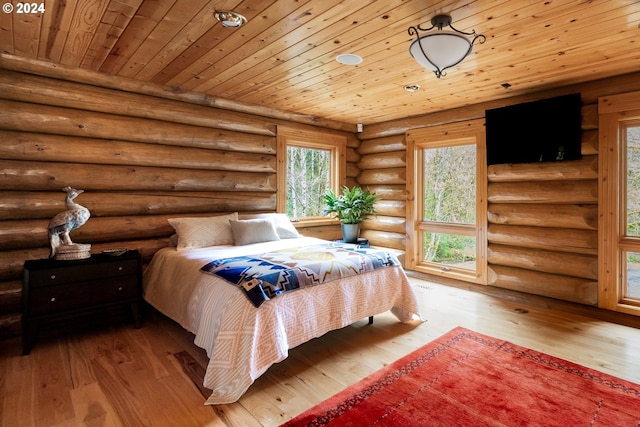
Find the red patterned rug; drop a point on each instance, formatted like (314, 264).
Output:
(467, 379)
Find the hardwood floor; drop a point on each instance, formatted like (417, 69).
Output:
(114, 375)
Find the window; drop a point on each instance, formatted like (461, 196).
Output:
(447, 201)
(619, 189)
(308, 177)
(631, 144)
(309, 163)
(449, 197)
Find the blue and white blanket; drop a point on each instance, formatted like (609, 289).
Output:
(265, 276)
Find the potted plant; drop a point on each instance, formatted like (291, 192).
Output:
(351, 208)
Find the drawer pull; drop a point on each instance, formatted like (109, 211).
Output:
(53, 277)
(120, 268)
(53, 299)
(119, 288)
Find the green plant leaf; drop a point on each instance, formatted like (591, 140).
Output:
(350, 207)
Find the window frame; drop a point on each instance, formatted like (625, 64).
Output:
(454, 134)
(616, 112)
(335, 144)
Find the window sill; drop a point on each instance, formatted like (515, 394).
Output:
(315, 222)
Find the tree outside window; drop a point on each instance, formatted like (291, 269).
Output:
(450, 198)
(308, 178)
(309, 163)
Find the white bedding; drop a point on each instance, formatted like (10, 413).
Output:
(242, 341)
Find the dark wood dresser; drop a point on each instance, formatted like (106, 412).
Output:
(55, 289)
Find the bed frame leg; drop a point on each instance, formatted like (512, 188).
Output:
(371, 320)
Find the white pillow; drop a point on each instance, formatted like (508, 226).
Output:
(253, 231)
(282, 224)
(200, 232)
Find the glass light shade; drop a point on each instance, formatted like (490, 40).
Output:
(443, 50)
(231, 23)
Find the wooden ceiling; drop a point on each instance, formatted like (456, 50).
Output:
(284, 57)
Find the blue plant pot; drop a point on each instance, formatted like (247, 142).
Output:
(350, 233)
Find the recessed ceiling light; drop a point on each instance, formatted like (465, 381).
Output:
(229, 18)
(349, 59)
(411, 88)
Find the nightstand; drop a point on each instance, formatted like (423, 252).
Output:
(55, 289)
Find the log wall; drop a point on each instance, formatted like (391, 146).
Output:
(146, 155)
(383, 171)
(543, 223)
(542, 231)
(140, 159)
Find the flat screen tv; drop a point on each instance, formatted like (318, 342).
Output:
(548, 130)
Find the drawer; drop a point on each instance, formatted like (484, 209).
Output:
(82, 272)
(81, 295)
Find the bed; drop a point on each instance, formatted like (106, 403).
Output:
(243, 338)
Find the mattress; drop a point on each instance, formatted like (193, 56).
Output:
(242, 341)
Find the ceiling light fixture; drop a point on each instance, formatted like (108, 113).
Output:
(411, 88)
(440, 50)
(349, 59)
(229, 18)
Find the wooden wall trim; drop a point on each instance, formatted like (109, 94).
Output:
(619, 103)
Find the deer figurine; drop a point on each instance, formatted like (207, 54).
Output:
(66, 221)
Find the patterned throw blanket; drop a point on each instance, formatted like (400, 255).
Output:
(265, 276)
